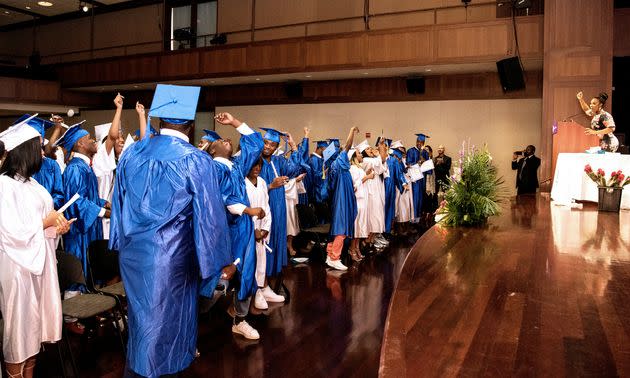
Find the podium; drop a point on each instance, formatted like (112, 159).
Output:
(570, 137)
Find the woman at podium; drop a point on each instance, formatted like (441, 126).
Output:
(602, 123)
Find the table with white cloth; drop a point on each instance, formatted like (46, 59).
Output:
(570, 182)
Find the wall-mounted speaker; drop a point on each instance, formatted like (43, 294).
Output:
(511, 74)
(415, 85)
(293, 89)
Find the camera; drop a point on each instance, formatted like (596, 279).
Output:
(518, 153)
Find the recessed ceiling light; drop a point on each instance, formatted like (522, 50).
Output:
(427, 70)
(309, 75)
(135, 86)
(6, 12)
(365, 73)
(257, 79)
(27, 7)
(211, 81)
(45, 3)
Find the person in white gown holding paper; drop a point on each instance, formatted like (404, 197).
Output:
(30, 301)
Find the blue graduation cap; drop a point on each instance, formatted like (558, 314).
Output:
(398, 153)
(422, 137)
(322, 143)
(71, 136)
(388, 142)
(39, 124)
(335, 141)
(152, 131)
(211, 136)
(272, 134)
(175, 104)
(329, 152)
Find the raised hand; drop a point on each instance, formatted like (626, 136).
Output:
(227, 119)
(580, 95)
(57, 120)
(118, 101)
(140, 109)
(355, 129)
(307, 131)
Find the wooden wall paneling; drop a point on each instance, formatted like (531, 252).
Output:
(38, 90)
(8, 87)
(223, 60)
(179, 64)
(411, 46)
(404, 20)
(476, 42)
(479, 13)
(334, 27)
(234, 15)
(137, 68)
(621, 45)
(348, 51)
(107, 53)
(280, 33)
(303, 11)
(578, 45)
(530, 35)
(450, 16)
(240, 37)
(275, 56)
(390, 6)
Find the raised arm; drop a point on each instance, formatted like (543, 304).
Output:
(114, 130)
(57, 131)
(142, 119)
(583, 104)
(354, 130)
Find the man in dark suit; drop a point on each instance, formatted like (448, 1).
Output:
(442, 165)
(527, 170)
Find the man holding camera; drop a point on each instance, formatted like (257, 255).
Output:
(526, 165)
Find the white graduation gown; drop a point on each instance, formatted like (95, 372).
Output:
(30, 300)
(292, 198)
(360, 192)
(103, 165)
(376, 195)
(258, 197)
(404, 204)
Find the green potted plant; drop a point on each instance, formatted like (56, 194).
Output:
(475, 192)
(610, 190)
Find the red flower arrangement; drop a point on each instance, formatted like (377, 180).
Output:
(617, 178)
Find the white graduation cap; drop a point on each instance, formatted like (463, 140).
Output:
(363, 146)
(101, 131)
(351, 153)
(18, 134)
(396, 144)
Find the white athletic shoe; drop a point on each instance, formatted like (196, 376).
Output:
(270, 296)
(259, 301)
(335, 264)
(243, 328)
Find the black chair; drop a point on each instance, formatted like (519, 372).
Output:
(85, 307)
(103, 265)
(312, 232)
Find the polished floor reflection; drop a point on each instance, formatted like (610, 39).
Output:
(332, 327)
(540, 291)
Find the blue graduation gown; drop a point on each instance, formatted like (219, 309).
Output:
(278, 205)
(79, 178)
(303, 198)
(318, 187)
(396, 180)
(233, 190)
(413, 157)
(169, 224)
(49, 176)
(344, 202)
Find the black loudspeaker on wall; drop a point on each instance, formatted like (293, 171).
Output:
(293, 89)
(511, 74)
(415, 85)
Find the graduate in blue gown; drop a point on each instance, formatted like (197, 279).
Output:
(170, 227)
(395, 181)
(49, 175)
(417, 155)
(276, 171)
(80, 178)
(343, 204)
(303, 198)
(317, 188)
(232, 173)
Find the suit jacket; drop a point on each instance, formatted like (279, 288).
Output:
(442, 171)
(527, 174)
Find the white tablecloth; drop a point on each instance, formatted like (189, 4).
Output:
(571, 183)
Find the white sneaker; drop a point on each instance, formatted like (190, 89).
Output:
(243, 328)
(259, 301)
(335, 264)
(270, 296)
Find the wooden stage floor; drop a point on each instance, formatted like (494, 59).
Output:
(541, 291)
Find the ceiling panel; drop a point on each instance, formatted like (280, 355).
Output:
(9, 17)
(58, 7)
